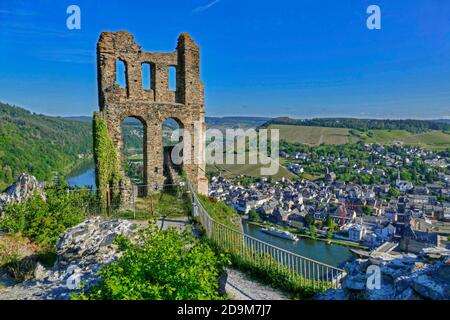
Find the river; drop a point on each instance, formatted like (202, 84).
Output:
(318, 250)
(333, 254)
(85, 179)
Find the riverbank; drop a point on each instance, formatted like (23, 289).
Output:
(333, 255)
(307, 236)
(80, 168)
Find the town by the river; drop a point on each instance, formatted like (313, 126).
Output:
(334, 255)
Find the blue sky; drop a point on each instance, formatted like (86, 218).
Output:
(299, 58)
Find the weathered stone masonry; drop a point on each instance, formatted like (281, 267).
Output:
(155, 105)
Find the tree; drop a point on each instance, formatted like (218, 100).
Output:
(367, 210)
(319, 225)
(329, 234)
(254, 216)
(309, 219)
(313, 231)
(394, 192)
(328, 221)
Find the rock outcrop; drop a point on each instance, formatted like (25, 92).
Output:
(24, 187)
(82, 251)
(403, 277)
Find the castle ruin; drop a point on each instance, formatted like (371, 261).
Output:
(152, 106)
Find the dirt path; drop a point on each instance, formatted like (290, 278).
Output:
(239, 286)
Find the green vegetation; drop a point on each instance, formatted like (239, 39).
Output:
(413, 126)
(108, 176)
(235, 170)
(367, 210)
(40, 145)
(254, 216)
(220, 212)
(435, 140)
(44, 221)
(356, 154)
(315, 136)
(230, 171)
(165, 265)
(167, 204)
(312, 135)
(262, 266)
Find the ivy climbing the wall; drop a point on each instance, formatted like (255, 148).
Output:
(108, 174)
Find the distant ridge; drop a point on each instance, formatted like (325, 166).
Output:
(78, 118)
(212, 122)
(410, 125)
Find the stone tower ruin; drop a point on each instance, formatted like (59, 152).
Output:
(151, 106)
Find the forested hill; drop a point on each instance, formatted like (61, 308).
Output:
(414, 126)
(40, 145)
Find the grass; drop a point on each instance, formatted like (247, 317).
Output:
(221, 213)
(436, 140)
(169, 204)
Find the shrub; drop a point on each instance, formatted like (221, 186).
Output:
(163, 265)
(44, 221)
(254, 216)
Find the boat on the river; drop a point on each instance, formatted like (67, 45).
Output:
(280, 233)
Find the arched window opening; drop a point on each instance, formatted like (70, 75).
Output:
(173, 156)
(133, 138)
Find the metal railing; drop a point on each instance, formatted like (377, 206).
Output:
(250, 252)
(298, 271)
(138, 204)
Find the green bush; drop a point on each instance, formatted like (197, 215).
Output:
(164, 265)
(44, 221)
(254, 216)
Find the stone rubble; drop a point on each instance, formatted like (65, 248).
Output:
(82, 251)
(24, 187)
(403, 277)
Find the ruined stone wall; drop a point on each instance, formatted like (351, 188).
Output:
(155, 105)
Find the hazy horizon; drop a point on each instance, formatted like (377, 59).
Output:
(239, 116)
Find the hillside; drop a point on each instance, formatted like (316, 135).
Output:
(313, 136)
(437, 140)
(413, 126)
(40, 145)
(235, 122)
